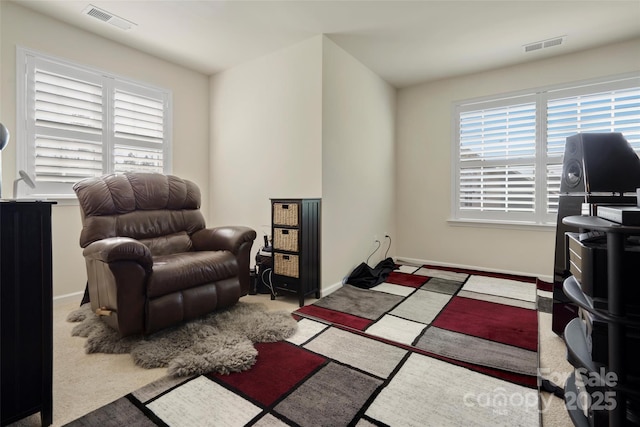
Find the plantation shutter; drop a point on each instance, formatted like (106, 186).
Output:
(570, 112)
(68, 127)
(138, 132)
(76, 122)
(497, 149)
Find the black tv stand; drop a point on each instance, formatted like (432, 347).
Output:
(613, 383)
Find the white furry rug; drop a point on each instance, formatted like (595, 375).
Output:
(219, 342)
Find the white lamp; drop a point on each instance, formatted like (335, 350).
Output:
(23, 177)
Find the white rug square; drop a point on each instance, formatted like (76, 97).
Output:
(545, 294)
(396, 329)
(409, 269)
(442, 274)
(427, 391)
(366, 354)
(270, 421)
(421, 306)
(307, 329)
(501, 287)
(202, 402)
(391, 288)
(498, 299)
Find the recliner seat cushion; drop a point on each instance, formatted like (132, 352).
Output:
(176, 272)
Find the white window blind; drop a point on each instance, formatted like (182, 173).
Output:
(508, 151)
(68, 117)
(593, 110)
(138, 133)
(497, 148)
(80, 123)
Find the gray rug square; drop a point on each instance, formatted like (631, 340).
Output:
(422, 306)
(479, 351)
(332, 397)
(359, 302)
(443, 286)
(119, 413)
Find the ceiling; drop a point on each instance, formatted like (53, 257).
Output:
(404, 42)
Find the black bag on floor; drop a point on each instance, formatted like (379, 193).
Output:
(363, 276)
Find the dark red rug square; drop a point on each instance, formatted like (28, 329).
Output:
(405, 279)
(279, 367)
(496, 322)
(335, 317)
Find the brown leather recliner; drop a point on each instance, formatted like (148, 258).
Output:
(151, 263)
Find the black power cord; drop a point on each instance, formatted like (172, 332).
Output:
(552, 388)
(386, 236)
(376, 250)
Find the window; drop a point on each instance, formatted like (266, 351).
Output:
(508, 151)
(78, 122)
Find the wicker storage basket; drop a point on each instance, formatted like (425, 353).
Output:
(285, 214)
(286, 265)
(285, 239)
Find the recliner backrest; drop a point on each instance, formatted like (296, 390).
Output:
(160, 210)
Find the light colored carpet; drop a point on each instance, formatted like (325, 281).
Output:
(84, 382)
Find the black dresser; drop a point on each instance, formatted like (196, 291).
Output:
(26, 311)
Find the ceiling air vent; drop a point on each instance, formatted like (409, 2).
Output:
(107, 17)
(556, 41)
(533, 46)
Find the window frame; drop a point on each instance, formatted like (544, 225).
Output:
(540, 217)
(26, 62)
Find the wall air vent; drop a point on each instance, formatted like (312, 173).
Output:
(556, 41)
(107, 17)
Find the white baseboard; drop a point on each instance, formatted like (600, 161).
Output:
(330, 289)
(63, 299)
(418, 262)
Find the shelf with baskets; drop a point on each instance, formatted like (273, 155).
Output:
(295, 229)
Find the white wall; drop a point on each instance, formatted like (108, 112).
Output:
(301, 122)
(310, 121)
(424, 141)
(358, 158)
(266, 138)
(23, 27)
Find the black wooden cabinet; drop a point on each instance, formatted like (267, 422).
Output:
(295, 230)
(26, 311)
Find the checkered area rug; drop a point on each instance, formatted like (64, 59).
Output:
(357, 367)
(487, 323)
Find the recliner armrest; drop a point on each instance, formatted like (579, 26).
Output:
(229, 238)
(120, 249)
